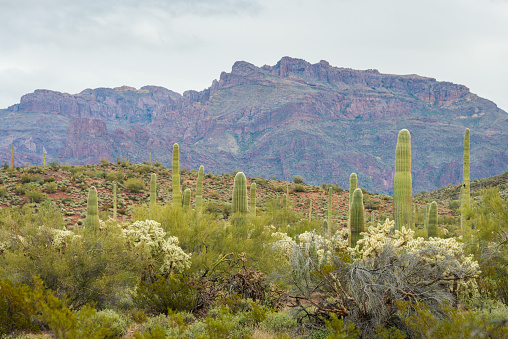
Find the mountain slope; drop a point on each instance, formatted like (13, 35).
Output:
(293, 118)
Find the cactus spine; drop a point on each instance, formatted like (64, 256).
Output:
(432, 227)
(114, 200)
(465, 198)
(252, 201)
(357, 224)
(239, 194)
(330, 191)
(402, 185)
(92, 211)
(153, 190)
(199, 189)
(186, 199)
(177, 194)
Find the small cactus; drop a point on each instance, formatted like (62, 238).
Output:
(177, 194)
(186, 199)
(153, 190)
(252, 201)
(357, 224)
(114, 200)
(92, 211)
(199, 189)
(432, 227)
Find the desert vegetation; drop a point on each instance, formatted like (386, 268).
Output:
(141, 251)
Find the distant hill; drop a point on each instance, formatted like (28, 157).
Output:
(294, 118)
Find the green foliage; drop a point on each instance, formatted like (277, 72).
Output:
(337, 329)
(34, 194)
(51, 187)
(175, 292)
(16, 311)
(115, 176)
(297, 179)
(402, 185)
(135, 185)
(278, 322)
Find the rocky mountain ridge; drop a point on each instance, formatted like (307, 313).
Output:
(293, 118)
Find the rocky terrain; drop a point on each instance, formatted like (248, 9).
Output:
(294, 118)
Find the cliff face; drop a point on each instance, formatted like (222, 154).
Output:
(293, 118)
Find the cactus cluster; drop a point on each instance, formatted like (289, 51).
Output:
(402, 185)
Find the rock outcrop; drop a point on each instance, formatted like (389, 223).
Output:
(294, 118)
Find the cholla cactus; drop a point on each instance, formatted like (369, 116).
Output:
(199, 189)
(92, 211)
(148, 239)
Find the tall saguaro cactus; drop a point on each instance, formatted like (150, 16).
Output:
(357, 224)
(402, 184)
(114, 200)
(186, 199)
(92, 211)
(177, 194)
(465, 197)
(252, 201)
(353, 181)
(199, 189)
(330, 192)
(239, 194)
(432, 227)
(44, 162)
(153, 190)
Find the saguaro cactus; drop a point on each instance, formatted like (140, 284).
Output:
(432, 227)
(465, 197)
(426, 217)
(353, 181)
(199, 189)
(330, 192)
(92, 211)
(44, 162)
(114, 200)
(153, 190)
(402, 184)
(357, 224)
(252, 201)
(239, 194)
(177, 194)
(284, 203)
(186, 199)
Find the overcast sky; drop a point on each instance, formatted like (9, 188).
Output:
(69, 45)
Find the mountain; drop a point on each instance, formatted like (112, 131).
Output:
(294, 118)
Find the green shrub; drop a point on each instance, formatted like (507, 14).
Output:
(16, 311)
(135, 185)
(278, 322)
(114, 322)
(172, 293)
(3, 192)
(297, 179)
(51, 187)
(25, 178)
(34, 195)
(299, 188)
(115, 176)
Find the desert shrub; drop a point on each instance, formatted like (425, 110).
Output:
(278, 322)
(175, 292)
(135, 185)
(111, 320)
(299, 188)
(3, 192)
(25, 178)
(16, 311)
(297, 179)
(49, 179)
(115, 176)
(51, 187)
(34, 194)
(143, 169)
(19, 189)
(125, 162)
(104, 162)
